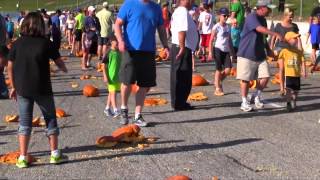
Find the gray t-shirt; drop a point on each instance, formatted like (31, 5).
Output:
(252, 43)
(282, 31)
(3, 32)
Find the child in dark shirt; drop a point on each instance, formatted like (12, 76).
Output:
(29, 74)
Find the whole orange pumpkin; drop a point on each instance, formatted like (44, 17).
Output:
(178, 177)
(198, 80)
(90, 91)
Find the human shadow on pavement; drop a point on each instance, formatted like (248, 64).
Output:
(88, 148)
(301, 108)
(169, 150)
(8, 132)
(102, 92)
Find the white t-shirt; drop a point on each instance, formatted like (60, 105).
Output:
(222, 37)
(207, 22)
(182, 21)
(71, 23)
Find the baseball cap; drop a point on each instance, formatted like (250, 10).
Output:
(291, 35)
(224, 11)
(105, 4)
(91, 8)
(264, 3)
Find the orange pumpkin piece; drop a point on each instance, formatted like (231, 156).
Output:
(178, 177)
(127, 131)
(198, 80)
(8, 83)
(134, 88)
(79, 54)
(11, 118)
(253, 84)
(36, 121)
(60, 113)
(198, 96)
(90, 91)
(163, 54)
(106, 141)
(99, 67)
(11, 158)
(85, 76)
(233, 72)
(155, 101)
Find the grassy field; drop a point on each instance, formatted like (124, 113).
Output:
(10, 5)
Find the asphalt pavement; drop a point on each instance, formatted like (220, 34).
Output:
(215, 139)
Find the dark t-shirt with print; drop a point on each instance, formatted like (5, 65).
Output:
(31, 69)
(282, 31)
(252, 43)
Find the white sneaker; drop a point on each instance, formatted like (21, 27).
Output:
(259, 104)
(246, 107)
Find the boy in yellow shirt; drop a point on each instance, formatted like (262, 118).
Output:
(291, 66)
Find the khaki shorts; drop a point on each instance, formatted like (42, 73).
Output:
(248, 70)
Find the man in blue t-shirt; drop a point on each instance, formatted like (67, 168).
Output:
(56, 33)
(140, 19)
(252, 64)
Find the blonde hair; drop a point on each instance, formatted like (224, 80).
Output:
(288, 12)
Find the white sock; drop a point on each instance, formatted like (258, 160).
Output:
(22, 157)
(258, 93)
(124, 107)
(55, 152)
(107, 107)
(244, 99)
(136, 115)
(115, 109)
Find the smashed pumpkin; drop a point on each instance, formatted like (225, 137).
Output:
(99, 67)
(198, 80)
(12, 157)
(198, 96)
(253, 84)
(178, 177)
(106, 141)
(129, 133)
(134, 88)
(233, 72)
(79, 54)
(60, 113)
(8, 83)
(11, 118)
(276, 79)
(85, 76)
(90, 91)
(155, 101)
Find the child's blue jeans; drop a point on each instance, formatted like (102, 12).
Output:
(47, 107)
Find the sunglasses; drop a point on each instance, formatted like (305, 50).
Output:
(224, 15)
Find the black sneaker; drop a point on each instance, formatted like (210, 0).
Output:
(140, 121)
(289, 107)
(124, 117)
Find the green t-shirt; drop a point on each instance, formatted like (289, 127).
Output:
(80, 19)
(112, 64)
(239, 10)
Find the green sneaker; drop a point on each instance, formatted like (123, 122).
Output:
(22, 163)
(58, 159)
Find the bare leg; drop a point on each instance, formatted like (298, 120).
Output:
(125, 94)
(113, 99)
(140, 96)
(217, 80)
(53, 141)
(244, 87)
(23, 142)
(262, 83)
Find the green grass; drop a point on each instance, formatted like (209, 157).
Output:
(10, 5)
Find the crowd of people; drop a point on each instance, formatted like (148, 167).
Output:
(126, 46)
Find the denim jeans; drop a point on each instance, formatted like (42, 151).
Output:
(47, 107)
(4, 93)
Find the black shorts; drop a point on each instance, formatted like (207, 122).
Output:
(315, 46)
(103, 41)
(78, 34)
(138, 67)
(292, 83)
(222, 59)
